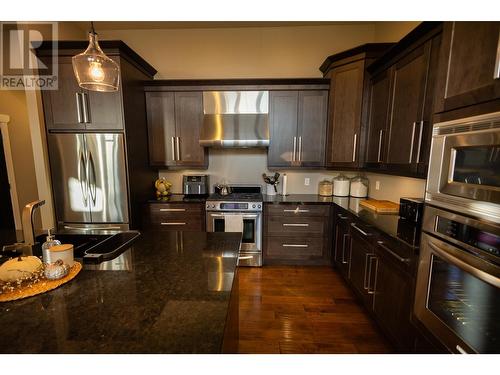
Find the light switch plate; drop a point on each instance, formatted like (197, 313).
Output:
(377, 185)
(307, 181)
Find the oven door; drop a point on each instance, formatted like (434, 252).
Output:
(458, 297)
(249, 224)
(464, 166)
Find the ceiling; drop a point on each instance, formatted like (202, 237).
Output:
(130, 25)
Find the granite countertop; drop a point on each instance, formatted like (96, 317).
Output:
(168, 293)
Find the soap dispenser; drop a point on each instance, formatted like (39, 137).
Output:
(50, 241)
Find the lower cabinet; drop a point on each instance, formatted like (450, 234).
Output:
(296, 234)
(360, 270)
(341, 248)
(175, 216)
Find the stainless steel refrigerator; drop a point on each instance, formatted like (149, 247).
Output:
(89, 180)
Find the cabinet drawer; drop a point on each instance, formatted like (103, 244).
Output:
(277, 225)
(297, 210)
(294, 248)
(182, 224)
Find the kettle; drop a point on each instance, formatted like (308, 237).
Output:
(223, 189)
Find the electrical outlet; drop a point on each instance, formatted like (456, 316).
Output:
(307, 181)
(377, 185)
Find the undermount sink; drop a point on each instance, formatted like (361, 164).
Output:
(96, 248)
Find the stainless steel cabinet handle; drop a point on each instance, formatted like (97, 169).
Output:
(297, 210)
(366, 284)
(401, 259)
(172, 209)
(371, 290)
(300, 148)
(412, 140)
(86, 110)
(354, 147)
(294, 245)
(360, 230)
(344, 240)
(173, 223)
(79, 107)
(380, 134)
(461, 350)
(496, 74)
(177, 140)
(342, 217)
(421, 123)
(294, 148)
(295, 225)
(173, 148)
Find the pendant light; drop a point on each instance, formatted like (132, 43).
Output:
(93, 69)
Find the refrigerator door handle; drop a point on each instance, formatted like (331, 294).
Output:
(92, 183)
(82, 165)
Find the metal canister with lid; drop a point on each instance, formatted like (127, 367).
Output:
(325, 188)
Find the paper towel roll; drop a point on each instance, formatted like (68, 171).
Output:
(284, 185)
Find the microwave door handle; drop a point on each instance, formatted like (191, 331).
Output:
(480, 274)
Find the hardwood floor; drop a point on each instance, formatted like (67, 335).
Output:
(302, 310)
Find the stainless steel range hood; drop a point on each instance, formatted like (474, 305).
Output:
(235, 119)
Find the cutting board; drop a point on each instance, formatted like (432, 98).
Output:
(385, 207)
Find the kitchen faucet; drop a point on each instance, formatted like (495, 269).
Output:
(27, 221)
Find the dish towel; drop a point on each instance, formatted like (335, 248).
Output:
(233, 223)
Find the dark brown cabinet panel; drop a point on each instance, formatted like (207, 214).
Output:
(188, 123)
(295, 248)
(342, 248)
(311, 128)
(297, 128)
(361, 264)
(378, 117)
(468, 65)
(161, 128)
(345, 114)
(312, 226)
(175, 217)
(72, 108)
(283, 112)
(174, 124)
(407, 108)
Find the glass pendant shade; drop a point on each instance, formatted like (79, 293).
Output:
(94, 70)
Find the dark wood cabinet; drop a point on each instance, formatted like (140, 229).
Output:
(296, 234)
(468, 65)
(341, 246)
(175, 216)
(297, 128)
(174, 124)
(361, 265)
(73, 108)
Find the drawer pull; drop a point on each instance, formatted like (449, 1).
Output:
(360, 230)
(297, 210)
(172, 210)
(342, 217)
(173, 223)
(295, 225)
(294, 245)
(401, 259)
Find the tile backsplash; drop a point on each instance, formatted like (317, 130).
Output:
(239, 166)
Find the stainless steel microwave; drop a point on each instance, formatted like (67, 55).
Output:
(464, 168)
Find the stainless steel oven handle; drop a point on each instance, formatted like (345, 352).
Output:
(480, 274)
(401, 259)
(360, 230)
(245, 216)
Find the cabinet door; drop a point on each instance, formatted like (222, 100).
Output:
(346, 95)
(361, 257)
(392, 302)
(62, 107)
(311, 128)
(188, 123)
(378, 116)
(469, 64)
(104, 110)
(283, 110)
(407, 107)
(161, 128)
(341, 247)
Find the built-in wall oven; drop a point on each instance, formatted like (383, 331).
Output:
(458, 283)
(464, 168)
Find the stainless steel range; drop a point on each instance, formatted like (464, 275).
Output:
(239, 211)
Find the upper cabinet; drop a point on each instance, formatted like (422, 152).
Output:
(297, 121)
(400, 107)
(349, 97)
(174, 124)
(469, 65)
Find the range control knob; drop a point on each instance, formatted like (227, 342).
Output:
(253, 205)
(213, 205)
(208, 206)
(259, 206)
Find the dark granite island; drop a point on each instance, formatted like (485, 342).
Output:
(169, 293)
